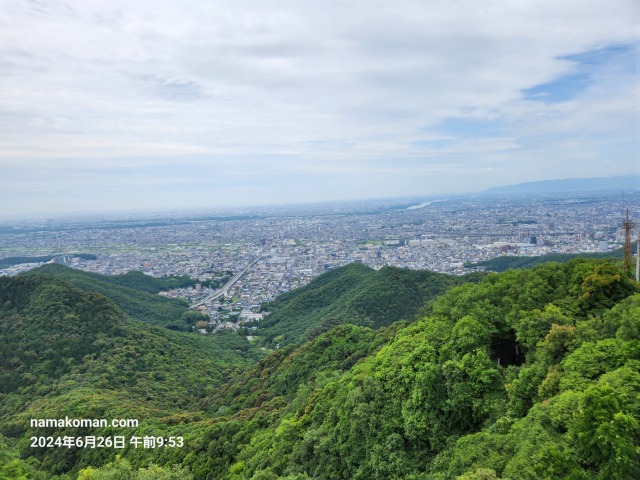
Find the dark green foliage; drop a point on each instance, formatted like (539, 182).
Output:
(70, 320)
(135, 299)
(508, 262)
(353, 294)
(140, 281)
(191, 317)
(65, 352)
(10, 261)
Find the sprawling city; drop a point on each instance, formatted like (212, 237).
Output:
(245, 259)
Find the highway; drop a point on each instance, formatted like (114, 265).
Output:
(225, 288)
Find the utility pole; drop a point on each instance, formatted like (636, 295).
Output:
(637, 259)
(628, 226)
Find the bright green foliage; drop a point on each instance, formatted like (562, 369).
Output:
(532, 327)
(607, 434)
(286, 371)
(121, 469)
(480, 474)
(530, 374)
(590, 361)
(434, 401)
(12, 467)
(602, 289)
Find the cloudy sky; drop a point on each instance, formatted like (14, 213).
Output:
(116, 104)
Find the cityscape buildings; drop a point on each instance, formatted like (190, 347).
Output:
(264, 253)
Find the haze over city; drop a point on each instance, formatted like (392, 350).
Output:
(116, 105)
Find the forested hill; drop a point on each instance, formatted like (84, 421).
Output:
(448, 397)
(353, 294)
(68, 352)
(508, 262)
(451, 396)
(134, 293)
(527, 374)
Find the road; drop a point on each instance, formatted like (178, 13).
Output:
(225, 288)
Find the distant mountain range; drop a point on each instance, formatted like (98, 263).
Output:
(628, 182)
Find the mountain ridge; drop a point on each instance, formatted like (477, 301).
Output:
(525, 374)
(138, 302)
(626, 182)
(354, 294)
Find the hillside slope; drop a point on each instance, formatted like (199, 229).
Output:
(133, 293)
(526, 374)
(508, 262)
(65, 352)
(354, 294)
(451, 396)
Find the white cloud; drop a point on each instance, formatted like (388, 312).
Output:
(340, 88)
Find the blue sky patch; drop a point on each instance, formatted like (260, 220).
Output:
(561, 90)
(587, 63)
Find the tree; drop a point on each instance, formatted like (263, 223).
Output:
(606, 436)
(122, 469)
(191, 317)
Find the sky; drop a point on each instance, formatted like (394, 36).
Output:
(167, 104)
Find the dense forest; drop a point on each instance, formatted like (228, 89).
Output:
(64, 351)
(354, 294)
(134, 293)
(509, 262)
(525, 374)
